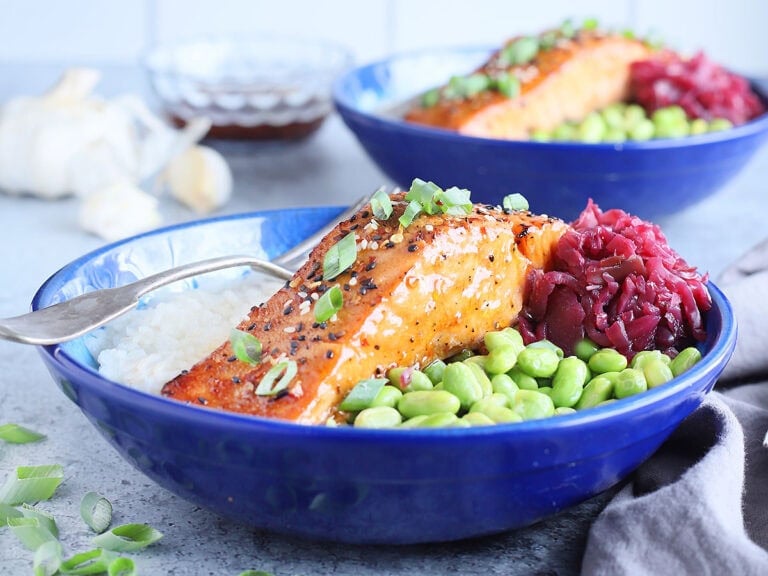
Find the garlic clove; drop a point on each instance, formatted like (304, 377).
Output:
(199, 178)
(118, 211)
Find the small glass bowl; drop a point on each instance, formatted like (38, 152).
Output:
(263, 89)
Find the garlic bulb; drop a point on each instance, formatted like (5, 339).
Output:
(200, 178)
(65, 140)
(118, 211)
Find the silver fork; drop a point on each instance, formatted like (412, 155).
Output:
(73, 318)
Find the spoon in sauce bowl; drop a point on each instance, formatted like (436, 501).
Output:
(74, 317)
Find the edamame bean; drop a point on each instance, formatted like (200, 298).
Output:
(501, 359)
(568, 381)
(720, 124)
(563, 410)
(629, 383)
(514, 335)
(427, 402)
(387, 396)
(584, 349)
(482, 379)
(540, 136)
(607, 360)
(644, 356)
(438, 420)
(378, 417)
(592, 128)
(419, 381)
(684, 360)
(459, 379)
(633, 114)
(523, 380)
(496, 412)
(477, 419)
(501, 338)
(670, 122)
(537, 361)
(613, 116)
(597, 390)
(413, 422)
(545, 390)
(642, 130)
(564, 132)
(531, 405)
(656, 372)
(548, 344)
(699, 126)
(434, 371)
(480, 360)
(503, 384)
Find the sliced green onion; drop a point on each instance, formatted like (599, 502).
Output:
(96, 511)
(340, 256)
(381, 205)
(548, 40)
(590, 24)
(567, 29)
(329, 304)
(476, 83)
(47, 559)
(424, 193)
(454, 201)
(629, 34)
(363, 393)
(30, 532)
(520, 51)
(122, 566)
(245, 346)
(277, 378)
(514, 202)
(507, 84)
(128, 537)
(411, 211)
(31, 484)
(8, 512)
(95, 561)
(430, 98)
(46, 520)
(16, 434)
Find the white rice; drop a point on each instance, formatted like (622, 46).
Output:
(151, 345)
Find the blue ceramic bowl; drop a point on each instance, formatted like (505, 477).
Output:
(346, 484)
(649, 179)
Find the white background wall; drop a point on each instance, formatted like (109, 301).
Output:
(733, 32)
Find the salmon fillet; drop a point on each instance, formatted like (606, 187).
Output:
(566, 82)
(413, 295)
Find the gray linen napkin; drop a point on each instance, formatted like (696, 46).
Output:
(699, 506)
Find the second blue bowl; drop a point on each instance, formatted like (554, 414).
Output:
(649, 179)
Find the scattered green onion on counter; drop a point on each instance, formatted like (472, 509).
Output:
(17, 434)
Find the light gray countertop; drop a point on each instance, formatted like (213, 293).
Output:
(37, 237)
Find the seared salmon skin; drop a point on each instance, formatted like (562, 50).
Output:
(565, 82)
(412, 295)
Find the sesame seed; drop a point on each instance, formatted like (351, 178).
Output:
(353, 281)
(396, 238)
(374, 245)
(289, 329)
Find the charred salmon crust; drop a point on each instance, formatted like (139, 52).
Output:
(566, 82)
(413, 295)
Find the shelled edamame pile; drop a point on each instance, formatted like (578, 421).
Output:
(512, 382)
(621, 122)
